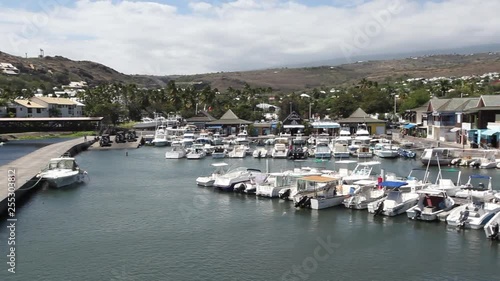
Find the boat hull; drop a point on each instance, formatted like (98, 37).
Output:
(323, 203)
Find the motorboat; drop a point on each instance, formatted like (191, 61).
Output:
(363, 151)
(160, 138)
(362, 171)
(340, 147)
(220, 169)
(431, 203)
(447, 184)
(298, 152)
(242, 138)
(318, 192)
(491, 228)
(232, 177)
(477, 189)
(196, 152)
(437, 156)
(484, 163)
(274, 183)
(474, 214)
(396, 202)
(217, 139)
(251, 185)
(406, 153)
(386, 150)
(280, 149)
(260, 152)
(204, 138)
(361, 193)
(322, 151)
(239, 151)
(62, 172)
(219, 152)
(177, 152)
(299, 140)
(188, 139)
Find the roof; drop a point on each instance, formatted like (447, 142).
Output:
(454, 104)
(61, 101)
(359, 113)
(360, 116)
(319, 179)
(28, 104)
(202, 116)
(229, 118)
(48, 119)
(491, 100)
(436, 103)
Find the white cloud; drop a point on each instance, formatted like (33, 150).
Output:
(154, 38)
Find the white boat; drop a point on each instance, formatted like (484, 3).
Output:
(228, 181)
(431, 203)
(396, 202)
(361, 193)
(274, 183)
(491, 228)
(196, 152)
(260, 152)
(280, 149)
(437, 156)
(204, 138)
(340, 147)
(299, 140)
(63, 171)
(242, 138)
(239, 151)
(177, 152)
(160, 138)
(188, 139)
(472, 188)
(386, 150)
(318, 192)
(474, 214)
(322, 151)
(220, 169)
(363, 171)
(484, 163)
(219, 152)
(364, 151)
(217, 139)
(446, 184)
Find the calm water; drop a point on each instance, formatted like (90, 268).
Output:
(12, 150)
(142, 217)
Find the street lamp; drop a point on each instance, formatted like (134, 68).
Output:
(395, 104)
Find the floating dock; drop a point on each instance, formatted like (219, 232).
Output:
(27, 167)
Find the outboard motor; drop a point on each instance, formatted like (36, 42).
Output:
(240, 187)
(301, 202)
(495, 235)
(417, 214)
(285, 194)
(379, 209)
(307, 203)
(463, 218)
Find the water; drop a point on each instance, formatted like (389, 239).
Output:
(13, 150)
(142, 217)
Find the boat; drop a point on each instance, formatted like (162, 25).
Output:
(340, 147)
(446, 184)
(473, 188)
(386, 150)
(62, 172)
(232, 177)
(242, 138)
(484, 163)
(298, 152)
(274, 183)
(299, 140)
(208, 181)
(196, 152)
(474, 214)
(204, 138)
(217, 140)
(318, 192)
(239, 151)
(396, 202)
(361, 193)
(260, 152)
(431, 203)
(219, 152)
(322, 151)
(491, 228)
(363, 151)
(280, 149)
(406, 153)
(437, 156)
(177, 152)
(362, 171)
(188, 138)
(160, 137)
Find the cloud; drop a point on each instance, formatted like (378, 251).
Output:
(155, 38)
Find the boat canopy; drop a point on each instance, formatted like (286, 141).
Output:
(434, 192)
(480, 177)
(320, 179)
(393, 184)
(410, 126)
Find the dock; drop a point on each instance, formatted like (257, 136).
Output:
(28, 166)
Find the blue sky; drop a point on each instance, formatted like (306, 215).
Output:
(149, 37)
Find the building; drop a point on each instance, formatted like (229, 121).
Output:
(481, 123)
(46, 107)
(228, 124)
(8, 68)
(28, 108)
(293, 124)
(359, 116)
(201, 119)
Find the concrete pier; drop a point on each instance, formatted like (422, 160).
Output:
(28, 166)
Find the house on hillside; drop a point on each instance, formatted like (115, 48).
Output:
(359, 116)
(8, 68)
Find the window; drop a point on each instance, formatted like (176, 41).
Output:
(38, 110)
(30, 110)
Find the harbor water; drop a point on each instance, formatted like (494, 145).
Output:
(142, 217)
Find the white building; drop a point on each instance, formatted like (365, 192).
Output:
(28, 108)
(8, 68)
(46, 107)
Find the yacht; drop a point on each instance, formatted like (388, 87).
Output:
(437, 156)
(280, 149)
(318, 192)
(431, 203)
(232, 177)
(364, 151)
(62, 172)
(396, 202)
(160, 138)
(274, 183)
(177, 152)
(474, 214)
(260, 152)
(239, 151)
(219, 152)
(386, 150)
(188, 139)
(299, 140)
(217, 139)
(242, 138)
(363, 171)
(340, 147)
(361, 193)
(220, 169)
(322, 151)
(204, 138)
(196, 152)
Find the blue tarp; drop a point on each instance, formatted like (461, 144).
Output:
(214, 127)
(489, 132)
(479, 177)
(393, 184)
(410, 126)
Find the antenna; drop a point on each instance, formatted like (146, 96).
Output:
(42, 53)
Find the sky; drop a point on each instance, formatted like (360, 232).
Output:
(167, 37)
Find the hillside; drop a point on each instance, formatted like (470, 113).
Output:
(59, 70)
